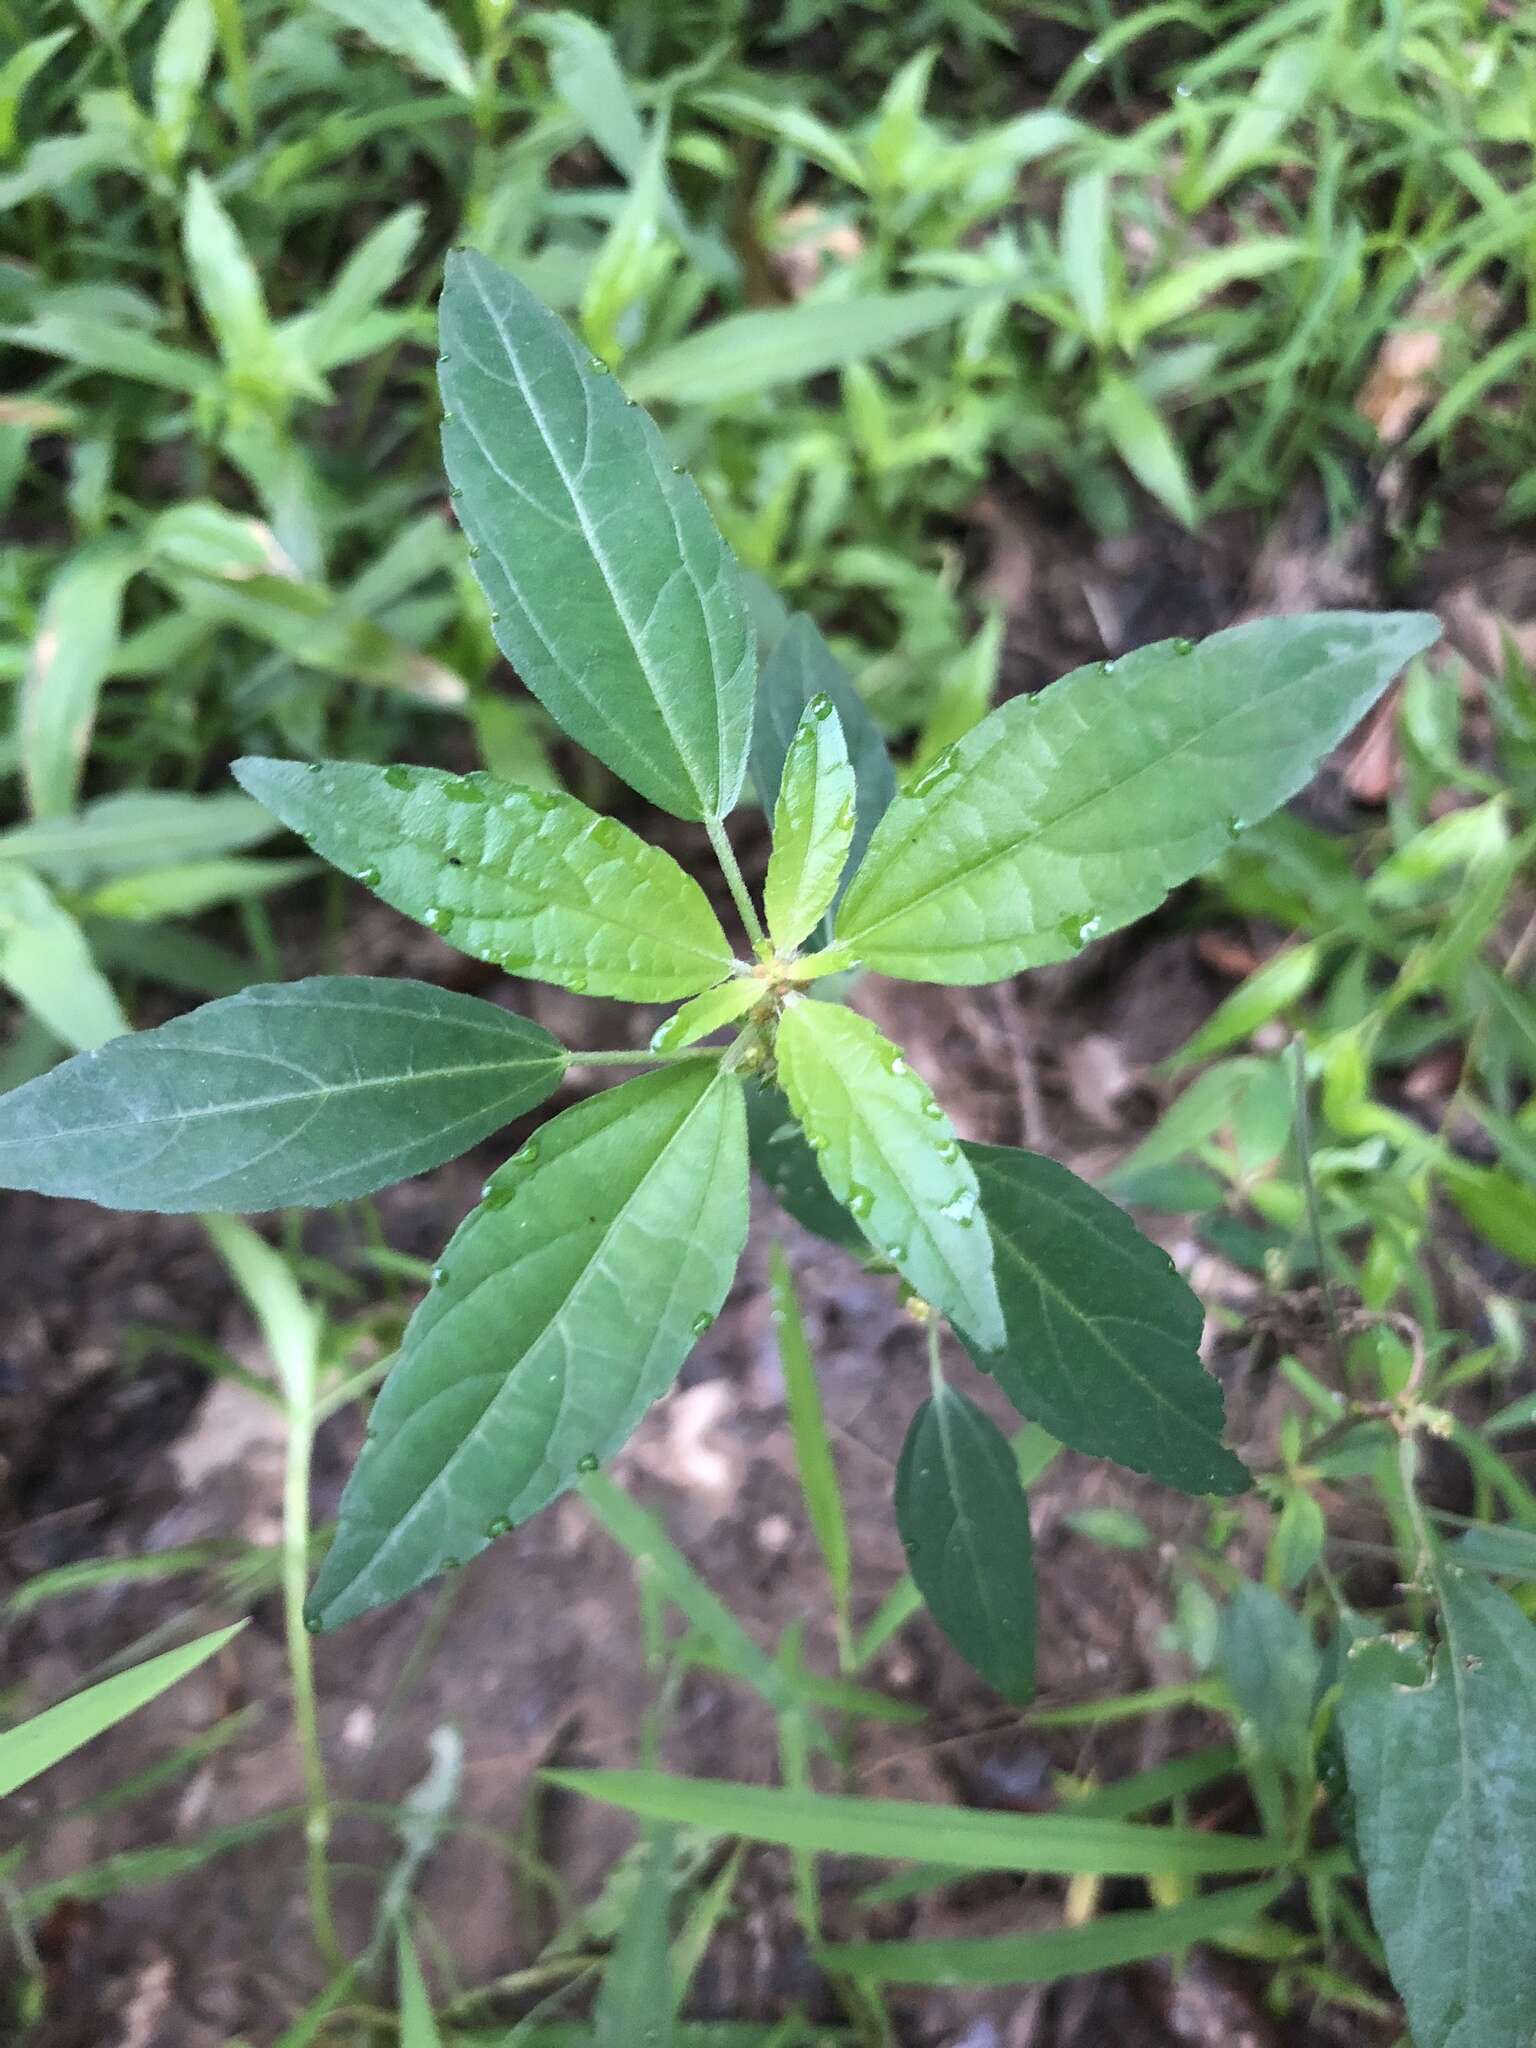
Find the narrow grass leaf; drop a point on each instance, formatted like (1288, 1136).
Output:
(1107, 1943)
(808, 1426)
(71, 658)
(912, 1831)
(27, 1751)
(418, 2022)
(413, 30)
(46, 963)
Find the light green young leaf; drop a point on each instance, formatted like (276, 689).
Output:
(1102, 1336)
(1140, 436)
(888, 1152)
(1087, 250)
(964, 1520)
(37, 1744)
(800, 667)
(304, 1092)
(1076, 810)
(529, 878)
(707, 1013)
(71, 657)
(97, 343)
(1274, 100)
(563, 1308)
(414, 30)
(812, 826)
(1444, 1783)
(1175, 293)
(45, 961)
(326, 336)
(914, 1830)
(227, 286)
(17, 73)
(612, 592)
(182, 57)
(747, 353)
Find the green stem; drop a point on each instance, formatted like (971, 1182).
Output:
(735, 881)
(935, 1363)
(301, 1665)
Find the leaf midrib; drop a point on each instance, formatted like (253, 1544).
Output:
(590, 535)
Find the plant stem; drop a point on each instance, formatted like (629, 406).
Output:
(301, 1666)
(935, 1364)
(1314, 1212)
(735, 881)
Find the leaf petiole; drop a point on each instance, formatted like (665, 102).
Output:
(735, 881)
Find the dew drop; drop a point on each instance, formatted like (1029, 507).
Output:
(474, 552)
(537, 799)
(896, 1064)
(701, 1323)
(369, 877)
(860, 1201)
(843, 822)
(464, 791)
(1107, 668)
(949, 1151)
(439, 1276)
(313, 767)
(516, 963)
(527, 1155)
(577, 984)
(934, 774)
(1232, 827)
(820, 705)
(1183, 646)
(895, 1253)
(497, 1194)
(1093, 55)
(312, 1623)
(677, 469)
(450, 1564)
(596, 363)
(398, 777)
(587, 1462)
(1183, 92)
(817, 1143)
(960, 1208)
(438, 919)
(932, 1109)
(498, 1525)
(607, 832)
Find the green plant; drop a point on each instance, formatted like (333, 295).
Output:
(565, 1304)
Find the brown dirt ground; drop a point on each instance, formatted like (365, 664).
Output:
(113, 1446)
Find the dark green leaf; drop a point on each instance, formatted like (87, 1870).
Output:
(888, 1152)
(1071, 812)
(964, 1520)
(787, 1163)
(528, 878)
(1270, 1661)
(563, 1308)
(1102, 1343)
(612, 593)
(304, 1092)
(1444, 1780)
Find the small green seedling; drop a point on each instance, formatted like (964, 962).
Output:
(567, 1301)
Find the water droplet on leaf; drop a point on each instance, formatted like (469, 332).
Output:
(860, 1201)
(587, 1462)
(439, 1275)
(701, 1323)
(438, 920)
(498, 1525)
(369, 877)
(820, 705)
(1183, 646)
(398, 777)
